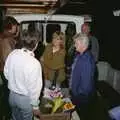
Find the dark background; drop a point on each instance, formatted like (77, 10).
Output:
(107, 31)
(105, 25)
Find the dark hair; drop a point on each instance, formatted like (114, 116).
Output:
(9, 21)
(71, 29)
(29, 41)
(31, 27)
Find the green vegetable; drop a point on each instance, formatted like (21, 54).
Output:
(58, 102)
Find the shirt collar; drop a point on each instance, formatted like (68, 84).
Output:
(28, 51)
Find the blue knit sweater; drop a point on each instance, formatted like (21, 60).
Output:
(82, 78)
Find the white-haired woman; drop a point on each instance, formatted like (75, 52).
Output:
(82, 82)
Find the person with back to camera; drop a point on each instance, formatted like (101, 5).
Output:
(94, 44)
(83, 90)
(53, 60)
(24, 75)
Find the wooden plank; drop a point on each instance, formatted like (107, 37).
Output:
(27, 5)
(27, 10)
(29, 1)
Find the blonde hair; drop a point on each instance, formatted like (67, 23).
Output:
(59, 35)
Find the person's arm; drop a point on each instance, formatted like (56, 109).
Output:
(34, 85)
(44, 53)
(82, 77)
(86, 77)
(95, 48)
(41, 59)
(98, 49)
(76, 78)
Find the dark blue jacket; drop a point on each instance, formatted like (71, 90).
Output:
(83, 83)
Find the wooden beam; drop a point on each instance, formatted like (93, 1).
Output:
(27, 5)
(30, 1)
(42, 2)
(27, 10)
(30, 6)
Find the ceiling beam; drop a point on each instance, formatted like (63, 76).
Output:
(33, 6)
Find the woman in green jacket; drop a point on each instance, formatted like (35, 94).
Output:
(53, 59)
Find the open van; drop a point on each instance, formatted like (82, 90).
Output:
(44, 22)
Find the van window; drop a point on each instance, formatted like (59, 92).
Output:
(46, 29)
(32, 26)
(50, 29)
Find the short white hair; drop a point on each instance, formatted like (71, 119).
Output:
(83, 38)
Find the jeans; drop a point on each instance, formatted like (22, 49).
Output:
(20, 106)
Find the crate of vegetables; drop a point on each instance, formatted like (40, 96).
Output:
(55, 107)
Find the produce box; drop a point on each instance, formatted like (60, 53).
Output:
(47, 115)
(57, 116)
(56, 108)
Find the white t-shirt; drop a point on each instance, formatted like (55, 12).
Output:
(24, 74)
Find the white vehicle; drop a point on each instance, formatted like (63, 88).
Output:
(42, 22)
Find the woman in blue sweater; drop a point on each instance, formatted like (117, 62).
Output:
(82, 77)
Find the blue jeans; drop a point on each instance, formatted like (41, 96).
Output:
(20, 106)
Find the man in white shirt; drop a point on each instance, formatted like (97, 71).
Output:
(24, 75)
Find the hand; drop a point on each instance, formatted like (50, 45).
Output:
(36, 113)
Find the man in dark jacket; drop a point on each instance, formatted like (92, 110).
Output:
(8, 40)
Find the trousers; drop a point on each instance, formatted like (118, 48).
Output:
(20, 106)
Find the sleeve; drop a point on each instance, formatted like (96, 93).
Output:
(34, 84)
(95, 48)
(76, 78)
(85, 76)
(45, 52)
